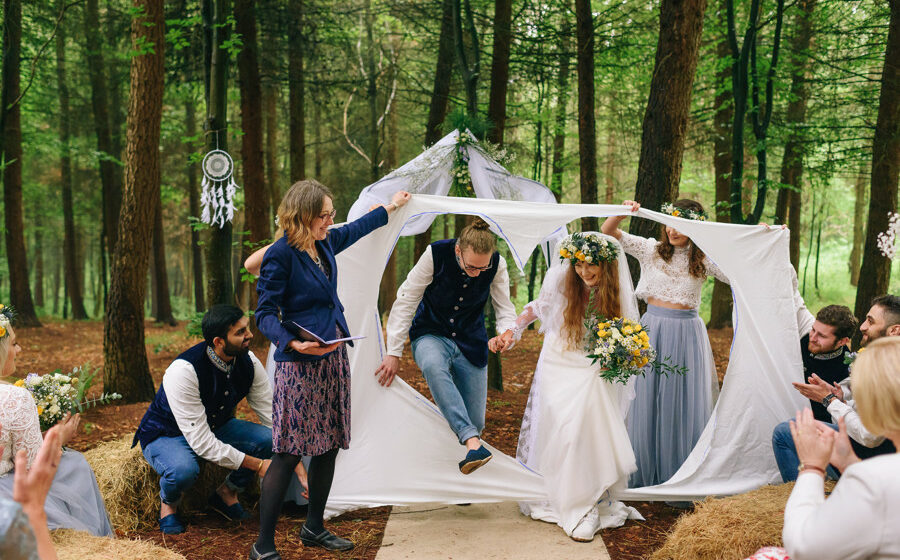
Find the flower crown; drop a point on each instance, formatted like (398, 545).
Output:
(678, 212)
(7, 314)
(589, 248)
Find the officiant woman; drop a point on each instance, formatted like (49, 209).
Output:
(311, 397)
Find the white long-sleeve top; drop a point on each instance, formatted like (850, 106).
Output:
(864, 506)
(413, 288)
(20, 427)
(183, 394)
(855, 428)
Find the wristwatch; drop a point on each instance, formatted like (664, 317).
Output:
(828, 398)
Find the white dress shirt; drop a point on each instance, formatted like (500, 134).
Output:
(855, 428)
(413, 288)
(183, 394)
(864, 506)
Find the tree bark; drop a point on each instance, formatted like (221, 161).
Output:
(73, 279)
(256, 199)
(125, 367)
(296, 101)
(587, 129)
(11, 152)
(668, 107)
(38, 268)
(163, 302)
(270, 114)
(111, 188)
(469, 63)
(875, 274)
(723, 113)
(190, 128)
(499, 70)
(562, 104)
(440, 96)
(859, 226)
(220, 283)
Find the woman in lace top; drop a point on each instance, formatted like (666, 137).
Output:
(74, 500)
(573, 430)
(669, 412)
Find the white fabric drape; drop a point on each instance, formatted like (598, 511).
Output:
(403, 452)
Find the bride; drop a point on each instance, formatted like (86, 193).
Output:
(573, 431)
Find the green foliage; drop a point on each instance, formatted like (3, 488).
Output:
(194, 326)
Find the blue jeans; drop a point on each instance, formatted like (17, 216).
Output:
(786, 453)
(178, 465)
(458, 387)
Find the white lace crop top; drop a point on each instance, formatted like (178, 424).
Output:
(19, 426)
(668, 281)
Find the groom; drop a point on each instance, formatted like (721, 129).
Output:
(441, 304)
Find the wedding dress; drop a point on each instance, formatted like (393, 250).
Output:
(573, 430)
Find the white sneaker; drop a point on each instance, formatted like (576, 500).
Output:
(588, 526)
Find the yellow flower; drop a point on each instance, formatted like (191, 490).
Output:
(2, 331)
(676, 213)
(644, 361)
(602, 333)
(20, 383)
(40, 410)
(637, 327)
(627, 330)
(636, 353)
(579, 255)
(644, 336)
(2, 306)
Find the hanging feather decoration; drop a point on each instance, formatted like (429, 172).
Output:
(218, 188)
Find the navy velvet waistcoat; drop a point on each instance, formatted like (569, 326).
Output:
(453, 304)
(213, 383)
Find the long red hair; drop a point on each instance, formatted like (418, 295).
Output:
(605, 300)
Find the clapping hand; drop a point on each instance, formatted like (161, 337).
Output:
(813, 441)
(842, 455)
(815, 390)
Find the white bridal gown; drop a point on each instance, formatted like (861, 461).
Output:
(573, 431)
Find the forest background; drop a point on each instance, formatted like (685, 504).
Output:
(764, 110)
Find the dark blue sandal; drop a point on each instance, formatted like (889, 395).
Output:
(474, 459)
(234, 512)
(171, 525)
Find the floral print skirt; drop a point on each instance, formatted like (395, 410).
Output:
(311, 405)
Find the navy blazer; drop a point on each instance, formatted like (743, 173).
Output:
(292, 284)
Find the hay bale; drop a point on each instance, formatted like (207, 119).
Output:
(730, 528)
(130, 487)
(77, 545)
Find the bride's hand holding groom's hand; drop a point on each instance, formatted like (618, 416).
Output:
(502, 342)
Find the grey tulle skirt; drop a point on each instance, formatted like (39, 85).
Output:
(669, 412)
(74, 500)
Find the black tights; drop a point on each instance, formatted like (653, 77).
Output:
(274, 486)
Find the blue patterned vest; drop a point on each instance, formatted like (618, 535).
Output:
(453, 304)
(220, 393)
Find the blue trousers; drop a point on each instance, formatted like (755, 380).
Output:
(786, 453)
(458, 387)
(178, 465)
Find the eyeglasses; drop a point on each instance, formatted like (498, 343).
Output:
(462, 263)
(326, 215)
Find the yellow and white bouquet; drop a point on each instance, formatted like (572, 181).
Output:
(621, 347)
(55, 394)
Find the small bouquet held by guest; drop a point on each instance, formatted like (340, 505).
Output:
(56, 394)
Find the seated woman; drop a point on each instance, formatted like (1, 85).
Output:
(573, 430)
(74, 500)
(862, 516)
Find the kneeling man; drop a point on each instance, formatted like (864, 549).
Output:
(192, 417)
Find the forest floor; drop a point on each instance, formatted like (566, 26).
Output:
(65, 345)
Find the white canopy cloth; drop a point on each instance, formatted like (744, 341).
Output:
(402, 451)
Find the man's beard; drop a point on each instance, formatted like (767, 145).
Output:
(234, 350)
(873, 336)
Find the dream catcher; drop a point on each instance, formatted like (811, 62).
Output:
(218, 188)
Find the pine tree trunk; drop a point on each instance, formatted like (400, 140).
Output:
(111, 187)
(256, 199)
(499, 70)
(723, 109)
(296, 102)
(562, 103)
(219, 281)
(587, 129)
(160, 278)
(73, 279)
(668, 107)
(875, 274)
(270, 112)
(795, 120)
(38, 268)
(11, 152)
(190, 128)
(125, 367)
(859, 225)
(387, 291)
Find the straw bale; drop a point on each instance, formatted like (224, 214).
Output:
(130, 487)
(730, 528)
(77, 545)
